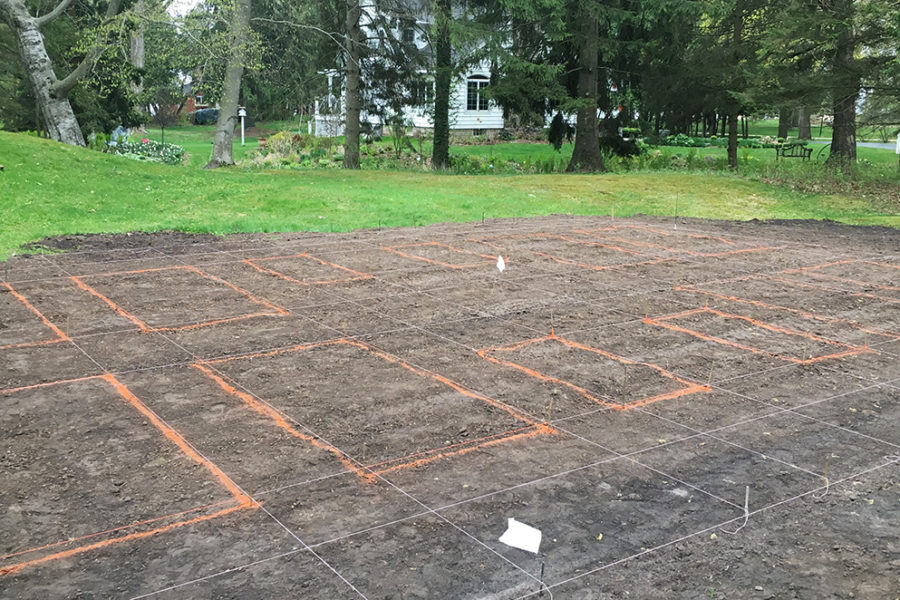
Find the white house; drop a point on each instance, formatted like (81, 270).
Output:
(471, 112)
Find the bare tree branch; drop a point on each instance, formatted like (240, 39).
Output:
(334, 37)
(60, 9)
(63, 86)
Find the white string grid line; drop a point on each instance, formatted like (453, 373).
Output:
(615, 457)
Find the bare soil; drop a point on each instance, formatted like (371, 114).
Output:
(688, 409)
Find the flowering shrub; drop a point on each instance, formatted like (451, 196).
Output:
(722, 142)
(149, 150)
(685, 141)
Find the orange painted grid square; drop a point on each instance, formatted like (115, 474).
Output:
(684, 388)
(18, 560)
(370, 472)
(892, 273)
(842, 349)
(608, 233)
(487, 259)
(491, 241)
(59, 335)
(353, 275)
(697, 289)
(272, 311)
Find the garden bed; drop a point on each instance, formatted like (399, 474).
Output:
(685, 409)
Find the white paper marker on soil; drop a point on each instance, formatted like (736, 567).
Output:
(501, 264)
(522, 536)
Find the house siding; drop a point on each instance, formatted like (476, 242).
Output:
(462, 118)
(463, 122)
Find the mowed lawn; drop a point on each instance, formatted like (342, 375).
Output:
(49, 189)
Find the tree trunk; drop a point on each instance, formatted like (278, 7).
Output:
(803, 124)
(353, 100)
(843, 134)
(55, 109)
(586, 154)
(784, 123)
(734, 106)
(733, 138)
(136, 50)
(440, 156)
(231, 88)
(846, 90)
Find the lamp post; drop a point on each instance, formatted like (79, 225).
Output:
(242, 112)
(898, 149)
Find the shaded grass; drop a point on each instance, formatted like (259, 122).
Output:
(50, 189)
(819, 130)
(197, 142)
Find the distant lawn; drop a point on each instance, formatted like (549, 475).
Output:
(197, 142)
(819, 130)
(50, 189)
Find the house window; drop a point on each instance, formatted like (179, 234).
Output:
(475, 98)
(407, 30)
(421, 93)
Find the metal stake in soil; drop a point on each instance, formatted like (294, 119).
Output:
(544, 586)
(675, 223)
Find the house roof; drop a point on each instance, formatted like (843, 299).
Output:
(417, 9)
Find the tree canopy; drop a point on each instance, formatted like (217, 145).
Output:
(600, 65)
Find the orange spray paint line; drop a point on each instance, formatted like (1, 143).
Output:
(356, 275)
(664, 322)
(61, 337)
(397, 250)
(689, 387)
(369, 473)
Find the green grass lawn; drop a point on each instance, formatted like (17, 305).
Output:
(819, 131)
(197, 142)
(520, 151)
(50, 189)
(877, 156)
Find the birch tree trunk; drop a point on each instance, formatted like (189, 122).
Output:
(231, 89)
(136, 51)
(55, 109)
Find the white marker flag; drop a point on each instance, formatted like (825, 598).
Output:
(522, 536)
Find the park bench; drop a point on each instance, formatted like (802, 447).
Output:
(793, 150)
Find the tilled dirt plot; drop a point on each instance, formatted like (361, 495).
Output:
(684, 410)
